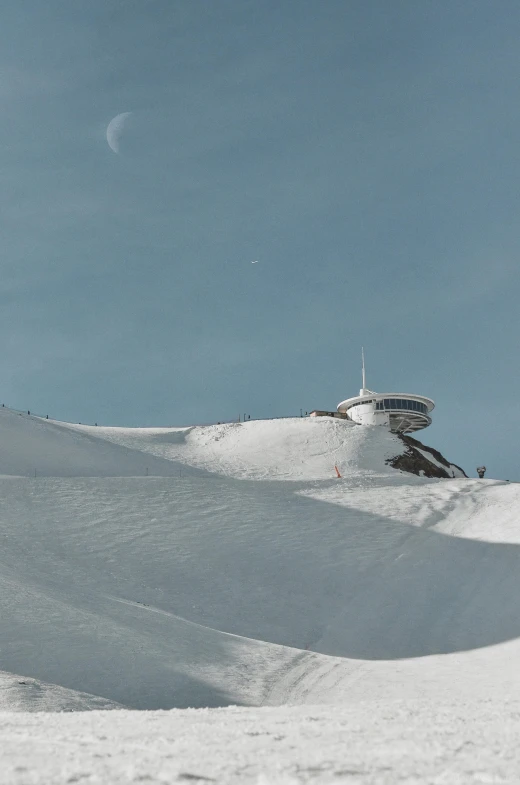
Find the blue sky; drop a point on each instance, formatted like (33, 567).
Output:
(365, 153)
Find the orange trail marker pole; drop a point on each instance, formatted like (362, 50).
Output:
(337, 470)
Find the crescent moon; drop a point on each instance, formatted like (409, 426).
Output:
(115, 129)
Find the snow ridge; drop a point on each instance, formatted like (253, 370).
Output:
(228, 566)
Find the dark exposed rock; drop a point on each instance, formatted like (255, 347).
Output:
(414, 461)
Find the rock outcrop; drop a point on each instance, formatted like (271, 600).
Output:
(424, 461)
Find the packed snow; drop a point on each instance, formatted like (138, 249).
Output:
(322, 629)
(380, 743)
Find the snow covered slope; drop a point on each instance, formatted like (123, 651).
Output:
(198, 586)
(491, 513)
(22, 694)
(31, 446)
(285, 449)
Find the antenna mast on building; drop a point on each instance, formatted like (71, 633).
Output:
(399, 412)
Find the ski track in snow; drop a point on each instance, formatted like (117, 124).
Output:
(367, 626)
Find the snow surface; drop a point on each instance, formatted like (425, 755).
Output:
(367, 627)
(23, 694)
(31, 446)
(374, 742)
(494, 503)
(293, 449)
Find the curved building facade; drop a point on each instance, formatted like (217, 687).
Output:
(400, 412)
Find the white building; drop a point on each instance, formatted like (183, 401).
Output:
(401, 412)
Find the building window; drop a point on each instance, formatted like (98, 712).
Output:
(394, 404)
(401, 403)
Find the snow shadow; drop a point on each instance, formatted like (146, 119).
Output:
(257, 560)
(33, 447)
(127, 655)
(103, 583)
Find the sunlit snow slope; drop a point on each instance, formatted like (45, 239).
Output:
(284, 449)
(207, 566)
